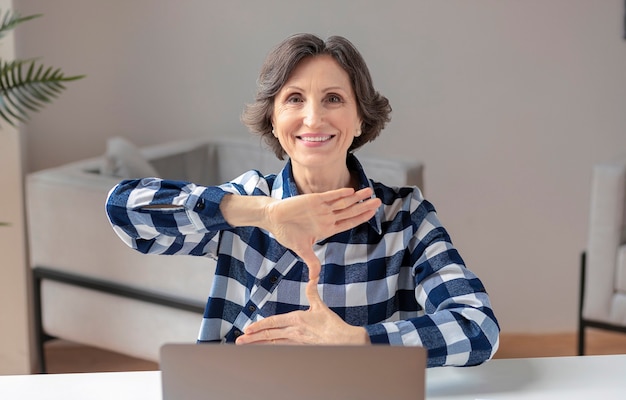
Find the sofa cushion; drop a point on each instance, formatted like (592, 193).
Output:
(115, 323)
(123, 160)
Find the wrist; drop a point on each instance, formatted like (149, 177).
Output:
(358, 336)
(241, 210)
(364, 336)
(267, 215)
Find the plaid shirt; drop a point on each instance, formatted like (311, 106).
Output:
(397, 275)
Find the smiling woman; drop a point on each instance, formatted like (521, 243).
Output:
(372, 108)
(316, 120)
(318, 253)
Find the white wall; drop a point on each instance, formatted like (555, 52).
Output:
(508, 103)
(15, 345)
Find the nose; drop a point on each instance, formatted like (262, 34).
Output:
(313, 114)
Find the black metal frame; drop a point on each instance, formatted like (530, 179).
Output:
(587, 323)
(42, 273)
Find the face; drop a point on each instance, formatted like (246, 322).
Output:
(315, 114)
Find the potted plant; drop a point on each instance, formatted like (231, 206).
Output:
(26, 86)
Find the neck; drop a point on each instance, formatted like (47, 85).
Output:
(323, 179)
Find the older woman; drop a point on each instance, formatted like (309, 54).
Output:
(384, 264)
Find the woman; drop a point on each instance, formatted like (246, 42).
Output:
(385, 267)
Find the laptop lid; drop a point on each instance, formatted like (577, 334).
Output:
(219, 371)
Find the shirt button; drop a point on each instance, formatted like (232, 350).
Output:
(200, 205)
(273, 279)
(237, 333)
(252, 308)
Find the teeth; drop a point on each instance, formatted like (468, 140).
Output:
(316, 138)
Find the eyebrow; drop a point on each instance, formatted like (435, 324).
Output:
(325, 90)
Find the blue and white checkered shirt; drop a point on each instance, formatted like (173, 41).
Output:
(397, 275)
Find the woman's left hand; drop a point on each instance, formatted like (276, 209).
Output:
(317, 325)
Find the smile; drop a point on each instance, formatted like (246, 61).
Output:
(315, 138)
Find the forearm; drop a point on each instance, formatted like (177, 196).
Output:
(451, 338)
(245, 210)
(155, 216)
(455, 321)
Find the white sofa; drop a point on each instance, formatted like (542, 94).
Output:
(90, 288)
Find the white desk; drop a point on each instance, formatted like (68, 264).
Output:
(555, 378)
(96, 386)
(571, 378)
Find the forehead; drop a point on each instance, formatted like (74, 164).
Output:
(322, 69)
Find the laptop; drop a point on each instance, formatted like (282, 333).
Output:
(224, 371)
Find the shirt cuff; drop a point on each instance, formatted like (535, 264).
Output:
(203, 208)
(378, 334)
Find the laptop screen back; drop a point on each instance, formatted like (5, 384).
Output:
(217, 371)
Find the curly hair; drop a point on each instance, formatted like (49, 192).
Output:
(373, 108)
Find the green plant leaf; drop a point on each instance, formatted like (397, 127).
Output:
(21, 93)
(11, 19)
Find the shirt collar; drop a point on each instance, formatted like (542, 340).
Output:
(285, 186)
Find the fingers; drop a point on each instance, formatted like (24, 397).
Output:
(345, 197)
(354, 220)
(279, 321)
(355, 204)
(368, 206)
(264, 325)
(262, 331)
(350, 208)
(337, 194)
(280, 328)
(354, 215)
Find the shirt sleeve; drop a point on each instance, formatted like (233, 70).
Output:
(156, 216)
(457, 325)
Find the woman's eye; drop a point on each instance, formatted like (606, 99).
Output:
(333, 98)
(294, 99)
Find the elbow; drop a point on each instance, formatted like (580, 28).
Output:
(133, 241)
(117, 214)
(484, 349)
(484, 340)
(481, 338)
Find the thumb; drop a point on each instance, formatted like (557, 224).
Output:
(312, 262)
(312, 294)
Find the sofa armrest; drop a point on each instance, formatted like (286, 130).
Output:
(605, 234)
(68, 231)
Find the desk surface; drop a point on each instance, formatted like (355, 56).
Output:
(589, 377)
(599, 377)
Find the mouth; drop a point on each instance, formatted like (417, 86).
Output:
(315, 138)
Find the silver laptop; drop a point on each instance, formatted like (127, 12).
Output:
(219, 371)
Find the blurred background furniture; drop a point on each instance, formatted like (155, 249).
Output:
(92, 289)
(603, 264)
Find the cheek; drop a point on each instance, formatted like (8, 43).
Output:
(285, 120)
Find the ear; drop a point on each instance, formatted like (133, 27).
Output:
(359, 129)
(272, 123)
